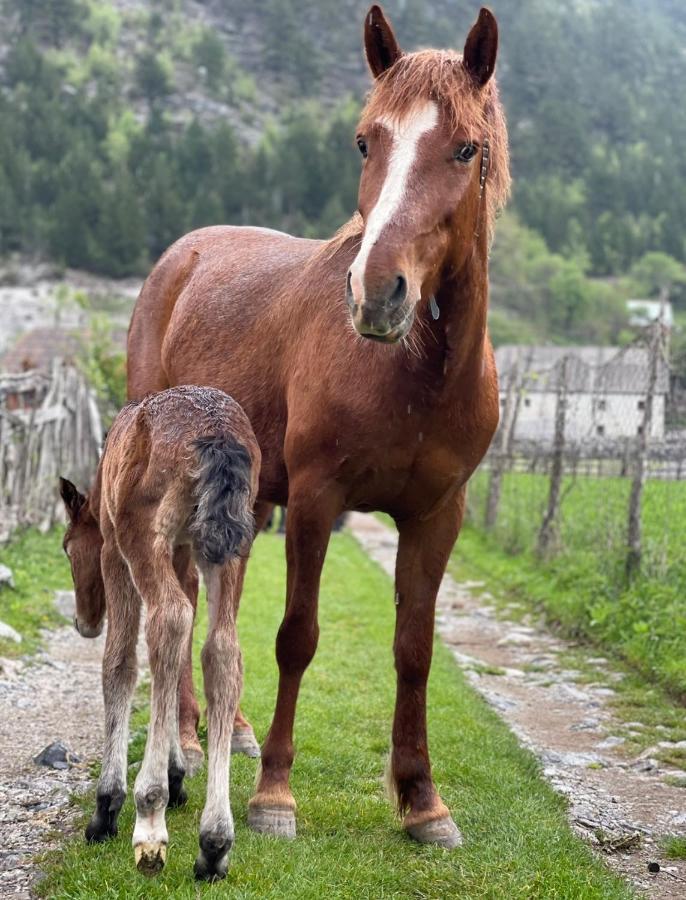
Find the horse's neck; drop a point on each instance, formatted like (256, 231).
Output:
(459, 340)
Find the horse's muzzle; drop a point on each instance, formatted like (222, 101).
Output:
(88, 631)
(382, 315)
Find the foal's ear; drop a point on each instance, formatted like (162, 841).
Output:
(380, 44)
(73, 499)
(481, 48)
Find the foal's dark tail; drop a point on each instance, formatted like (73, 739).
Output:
(222, 524)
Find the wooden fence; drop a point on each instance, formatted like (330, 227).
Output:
(49, 426)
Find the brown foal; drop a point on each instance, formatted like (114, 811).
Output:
(365, 367)
(177, 480)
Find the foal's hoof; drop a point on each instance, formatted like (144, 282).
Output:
(103, 823)
(150, 857)
(212, 862)
(278, 821)
(193, 756)
(442, 832)
(244, 741)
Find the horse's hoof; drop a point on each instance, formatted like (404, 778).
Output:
(442, 832)
(194, 757)
(278, 821)
(150, 857)
(244, 741)
(212, 863)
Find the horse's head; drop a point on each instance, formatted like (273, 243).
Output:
(432, 133)
(82, 544)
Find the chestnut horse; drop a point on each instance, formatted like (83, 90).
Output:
(365, 367)
(179, 469)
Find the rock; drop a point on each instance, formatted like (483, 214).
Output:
(610, 742)
(590, 724)
(9, 634)
(517, 638)
(649, 766)
(10, 668)
(56, 756)
(6, 577)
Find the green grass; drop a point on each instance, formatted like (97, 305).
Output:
(349, 843)
(674, 847)
(582, 588)
(40, 568)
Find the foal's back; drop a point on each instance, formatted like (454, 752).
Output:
(170, 461)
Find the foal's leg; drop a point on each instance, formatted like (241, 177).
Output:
(311, 514)
(222, 671)
(169, 622)
(423, 551)
(118, 683)
(189, 711)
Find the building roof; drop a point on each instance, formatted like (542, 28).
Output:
(36, 349)
(645, 312)
(590, 370)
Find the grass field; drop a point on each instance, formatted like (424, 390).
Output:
(583, 587)
(40, 568)
(350, 845)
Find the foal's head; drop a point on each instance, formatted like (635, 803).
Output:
(82, 544)
(435, 169)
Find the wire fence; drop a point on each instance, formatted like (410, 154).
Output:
(49, 426)
(583, 462)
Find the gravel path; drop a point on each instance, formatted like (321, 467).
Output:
(55, 695)
(569, 726)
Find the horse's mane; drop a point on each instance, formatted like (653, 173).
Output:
(439, 75)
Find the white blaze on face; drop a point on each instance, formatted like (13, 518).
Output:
(405, 134)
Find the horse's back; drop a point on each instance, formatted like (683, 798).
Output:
(237, 268)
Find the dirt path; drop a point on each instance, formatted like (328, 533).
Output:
(54, 696)
(568, 725)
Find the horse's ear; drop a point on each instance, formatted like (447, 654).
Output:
(380, 43)
(481, 48)
(73, 499)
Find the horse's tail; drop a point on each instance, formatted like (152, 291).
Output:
(222, 525)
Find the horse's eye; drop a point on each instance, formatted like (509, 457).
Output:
(362, 145)
(465, 152)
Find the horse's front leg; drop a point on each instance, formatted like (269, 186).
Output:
(312, 510)
(423, 551)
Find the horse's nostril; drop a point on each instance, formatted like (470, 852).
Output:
(400, 291)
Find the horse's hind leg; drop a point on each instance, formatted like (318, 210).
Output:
(189, 711)
(221, 664)
(118, 683)
(168, 624)
(243, 739)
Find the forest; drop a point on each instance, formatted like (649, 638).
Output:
(125, 124)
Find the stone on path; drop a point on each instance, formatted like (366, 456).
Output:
(9, 634)
(56, 756)
(6, 576)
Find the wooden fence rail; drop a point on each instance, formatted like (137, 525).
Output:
(49, 426)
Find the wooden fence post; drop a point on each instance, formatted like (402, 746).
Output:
(634, 549)
(548, 533)
(505, 439)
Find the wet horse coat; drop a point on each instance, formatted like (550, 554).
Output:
(365, 368)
